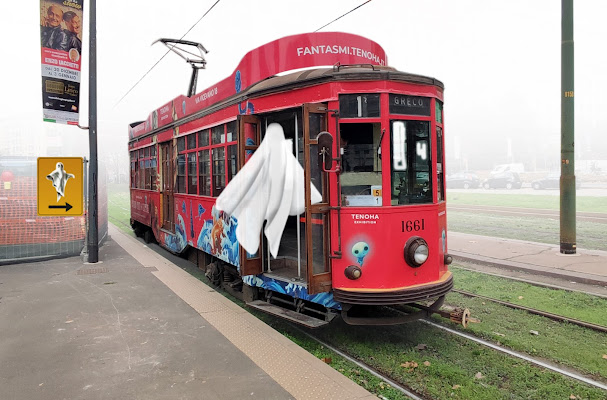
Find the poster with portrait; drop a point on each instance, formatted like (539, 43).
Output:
(61, 26)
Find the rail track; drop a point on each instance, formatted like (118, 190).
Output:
(398, 386)
(555, 317)
(521, 356)
(408, 392)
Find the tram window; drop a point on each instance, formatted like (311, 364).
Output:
(192, 177)
(359, 106)
(439, 112)
(411, 162)
(180, 173)
(147, 166)
(153, 167)
(217, 134)
(232, 161)
(133, 169)
(141, 173)
(231, 131)
(219, 170)
(203, 138)
(361, 164)
(204, 172)
(439, 164)
(154, 172)
(180, 144)
(192, 141)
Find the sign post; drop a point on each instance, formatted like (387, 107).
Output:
(568, 233)
(93, 234)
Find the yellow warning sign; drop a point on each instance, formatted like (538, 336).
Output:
(60, 186)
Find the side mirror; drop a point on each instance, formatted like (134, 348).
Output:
(325, 151)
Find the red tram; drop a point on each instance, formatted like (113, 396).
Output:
(379, 236)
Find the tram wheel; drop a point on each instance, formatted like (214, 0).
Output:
(138, 230)
(148, 236)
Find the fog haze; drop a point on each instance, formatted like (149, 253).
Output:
(499, 61)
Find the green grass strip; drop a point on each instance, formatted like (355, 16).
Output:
(581, 306)
(583, 203)
(590, 235)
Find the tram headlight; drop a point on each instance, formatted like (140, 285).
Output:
(416, 251)
(353, 272)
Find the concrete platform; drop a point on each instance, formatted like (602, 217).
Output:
(135, 326)
(587, 266)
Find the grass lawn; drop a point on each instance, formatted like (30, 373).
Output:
(119, 207)
(581, 306)
(583, 204)
(589, 235)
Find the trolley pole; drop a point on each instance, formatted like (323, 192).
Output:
(93, 234)
(568, 237)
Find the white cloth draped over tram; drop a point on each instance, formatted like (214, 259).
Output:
(270, 187)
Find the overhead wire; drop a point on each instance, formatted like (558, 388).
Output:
(164, 55)
(340, 17)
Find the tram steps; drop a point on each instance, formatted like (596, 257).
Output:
(290, 315)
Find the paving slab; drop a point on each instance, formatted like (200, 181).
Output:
(587, 266)
(112, 330)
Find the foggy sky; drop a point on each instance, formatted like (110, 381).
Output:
(499, 61)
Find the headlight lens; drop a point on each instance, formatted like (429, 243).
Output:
(421, 254)
(416, 251)
(353, 272)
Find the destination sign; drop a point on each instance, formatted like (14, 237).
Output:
(409, 105)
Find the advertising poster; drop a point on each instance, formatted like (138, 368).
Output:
(61, 25)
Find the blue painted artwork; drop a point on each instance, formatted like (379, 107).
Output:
(291, 289)
(201, 210)
(218, 237)
(191, 222)
(238, 82)
(183, 207)
(177, 242)
(360, 250)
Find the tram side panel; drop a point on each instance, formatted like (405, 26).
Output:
(200, 225)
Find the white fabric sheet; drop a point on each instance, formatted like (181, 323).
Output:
(59, 178)
(269, 187)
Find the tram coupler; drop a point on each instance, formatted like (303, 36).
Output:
(458, 315)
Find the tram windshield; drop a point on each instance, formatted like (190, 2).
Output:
(410, 162)
(361, 164)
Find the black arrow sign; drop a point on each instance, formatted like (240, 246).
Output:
(67, 206)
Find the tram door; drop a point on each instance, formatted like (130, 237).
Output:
(316, 216)
(249, 138)
(166, 187)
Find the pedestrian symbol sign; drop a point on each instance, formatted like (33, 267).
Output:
(60, 186)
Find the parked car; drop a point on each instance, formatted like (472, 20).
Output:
(466, 180)
(505, 179)
(551, 181)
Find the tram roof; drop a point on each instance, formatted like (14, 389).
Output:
(353, 58)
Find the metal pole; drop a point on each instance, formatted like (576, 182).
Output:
(568, 238)
(93, 241)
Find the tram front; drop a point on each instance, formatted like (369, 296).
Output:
(390, 209)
